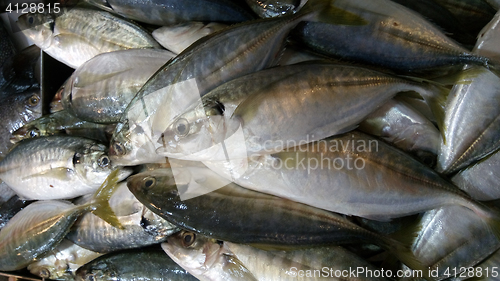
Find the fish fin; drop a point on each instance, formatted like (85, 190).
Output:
(330, 14)
(400, 244)
(60, 173)
(463, 77)
(100, 201)
(436, 98)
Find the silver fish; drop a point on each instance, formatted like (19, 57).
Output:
(282, 107)
(70, 37)
(56, 167)
(404, 127)
(178, 37)
(101, 88)
(239, 50)
(141, 227)
(63, 261)
(471, 121)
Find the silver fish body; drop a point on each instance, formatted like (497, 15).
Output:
(400, 124)
(71, 37)
(471, 121)
(56, 167)
(452, 238)
(141, 226)
(101, 88)
(282, 107)
(395, 37)
(63, 261)
(17, 110)
(34, 231)
(239, 50)
(178, 37)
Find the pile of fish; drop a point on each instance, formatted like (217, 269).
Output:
(254, 140)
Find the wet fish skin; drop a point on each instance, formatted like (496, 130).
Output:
(404, 127)
(34, 231)
(17, 110)
(452, 237)
(178, 37)
(152, 109)
(284, 265)
(62, 122)
(60, 167)
(141, 226)
(386, 183)
(62, 262)
(71, 37)
(152, 264)
(394, 32)
(338, 98)
(232, 213)
(471, 120)
(205, 258)
(170, 12)
(6, 46)
(273, 8)
(480, 180)
(101, 88)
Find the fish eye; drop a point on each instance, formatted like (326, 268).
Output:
(119, 149)
(89, 277)
(77, 159)
(33, 100)
(44, 273)
(181, 127)
(104, 161)
(188, 239)
(33, 133)
(149, 182)
(31, 19)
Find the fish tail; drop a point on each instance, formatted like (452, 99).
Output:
(326, 12)
(400, 245)
(489, 215)
(99, 205)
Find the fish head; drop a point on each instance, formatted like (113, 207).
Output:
(99, 271)
(39, 27)
(193, 134)
(132, 146)
(153, 187)
(93, 164)
(44, 271)
(64, 92)
(193, 252)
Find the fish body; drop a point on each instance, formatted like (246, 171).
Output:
(63, 261)
(452, 237)
(170, 12)
(34, 231)
(473, 14)
(101, 88)
(21, 72)
(352, 174)
(239, 50)
(232, 213)
(282, 107)
(11, 207)
(150, 264)
(56, 167)
(480, 180)
(141, 227)
(273, 8)
(17, 110)
(395, 37)
(178, 37)
(404, 127)
(471, 121)
(62, 122)
(71, 37)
